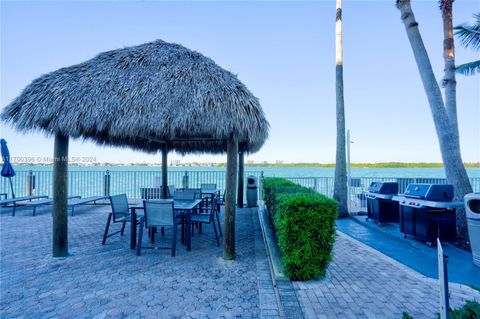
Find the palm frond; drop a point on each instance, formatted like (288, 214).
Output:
(469, 35)
(468, 68)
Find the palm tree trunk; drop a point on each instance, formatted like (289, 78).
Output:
(450, 85)
(340, 184)
(449, 80)
(448, 140)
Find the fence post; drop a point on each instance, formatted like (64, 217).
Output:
(30, 184)
(185, 180)
(106, 183)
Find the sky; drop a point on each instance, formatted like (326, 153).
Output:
(283, 51)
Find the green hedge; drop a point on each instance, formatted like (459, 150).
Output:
(470, 310)
(304, 223)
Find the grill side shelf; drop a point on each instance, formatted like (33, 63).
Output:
(448, 205)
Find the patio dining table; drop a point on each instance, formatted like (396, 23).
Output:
(184, 207)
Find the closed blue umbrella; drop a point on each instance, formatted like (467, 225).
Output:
(7, 169)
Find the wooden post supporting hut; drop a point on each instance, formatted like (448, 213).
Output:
(241, 179)
(60, 193)
(164, 172)
(230, 206)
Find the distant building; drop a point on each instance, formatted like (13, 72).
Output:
(250, 162)
(264, 162)
(278, 162)
(175, 162)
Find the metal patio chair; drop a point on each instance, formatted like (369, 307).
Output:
(205, 189)
(206, 215)
(220, 201)
(158, 214)
(186, 194)
(208, 187)
(171, 191)
(120, 214)
(197, 191)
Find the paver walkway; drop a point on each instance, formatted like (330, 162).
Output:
(363, 283)
(411, 252)
(112, 282)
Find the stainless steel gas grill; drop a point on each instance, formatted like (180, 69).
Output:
(427, 212)
(380, 206)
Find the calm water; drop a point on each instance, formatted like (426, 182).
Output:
(281, 171)
(89, 181)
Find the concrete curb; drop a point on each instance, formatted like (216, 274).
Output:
(289, 304)
(273, 252)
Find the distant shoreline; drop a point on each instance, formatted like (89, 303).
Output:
(329, 165)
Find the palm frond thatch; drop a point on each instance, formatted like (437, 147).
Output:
(143, 97)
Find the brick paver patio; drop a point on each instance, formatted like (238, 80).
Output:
(364, 283)
(112, 282)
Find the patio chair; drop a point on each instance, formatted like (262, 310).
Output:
(120, 214)
(158, 214)
(205, 189)
(186, 194)
(220, 201)
(171, 191)
(206, 215)
(197, 191)
(208, 187)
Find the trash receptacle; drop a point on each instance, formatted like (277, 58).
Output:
(472, 208)
(252, 191)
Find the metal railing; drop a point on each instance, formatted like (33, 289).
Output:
(358, 186)
(93, 183)
(103, 182)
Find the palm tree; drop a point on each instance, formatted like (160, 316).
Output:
(340, 183)
(445, 122)
(449, 82)
(469, 36)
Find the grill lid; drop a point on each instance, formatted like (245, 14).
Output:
(383, 188)
(432, 192)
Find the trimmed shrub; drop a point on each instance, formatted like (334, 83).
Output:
(470, 310)
(304, 225)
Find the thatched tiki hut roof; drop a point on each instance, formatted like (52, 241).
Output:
(150, 97)
(141, 97)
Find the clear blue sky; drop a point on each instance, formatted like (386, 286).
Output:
(283, 51)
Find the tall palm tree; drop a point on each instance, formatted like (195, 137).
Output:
(449, 82)
(469, 36)
(444, 126)
(340, 183)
